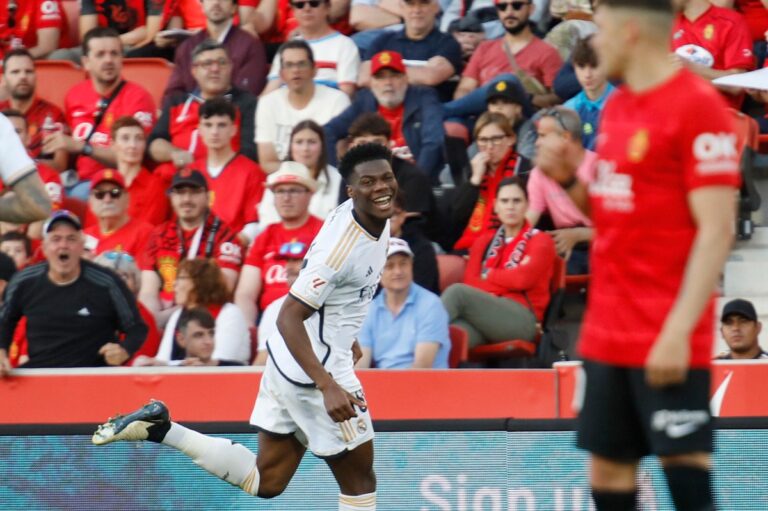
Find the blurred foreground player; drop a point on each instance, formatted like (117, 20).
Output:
(662, 206)
(300, 404)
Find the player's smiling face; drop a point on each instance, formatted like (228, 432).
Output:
(373, 190)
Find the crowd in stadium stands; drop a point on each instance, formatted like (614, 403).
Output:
(202, 197)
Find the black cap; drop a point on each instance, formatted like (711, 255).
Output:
(741, 307)
(507, 89)
(7, 267)
(189, 177)
(62, 215)
(468, 23)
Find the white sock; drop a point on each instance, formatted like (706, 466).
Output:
(231, 462)
(365, 502)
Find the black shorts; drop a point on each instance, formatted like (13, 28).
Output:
(622, 418)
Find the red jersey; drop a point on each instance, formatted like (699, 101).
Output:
(394, 116)
(236, 191)
(651, 156)
(718, 39)
(148, 200)
(285, 22)
(81, 106)
(169, 243)
(122, 15)
(31, 16)
(35, 115)
(131, 238)
(264, 251)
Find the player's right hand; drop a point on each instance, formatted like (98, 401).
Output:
(668, 361)
(339, 403)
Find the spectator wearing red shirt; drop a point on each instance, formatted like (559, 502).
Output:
(37, 25)
(99, 101)
(115, 230)
(518, 55)
(663, 209)
(274, 20)
(712, 41)
(506, 283)
(264, 278)
(195, 233)
(236, 183)
(246, 53)
(20, 79)
(471, 204)
(755, 13)
(148, 200)
(175, 140)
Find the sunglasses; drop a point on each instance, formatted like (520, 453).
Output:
(116, 257)
(556, 115)
(314, 4)
(516, 6)
(291, 248)
(115, 193)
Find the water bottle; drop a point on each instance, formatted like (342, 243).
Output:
(46, 129)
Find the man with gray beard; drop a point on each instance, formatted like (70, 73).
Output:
(414, 113)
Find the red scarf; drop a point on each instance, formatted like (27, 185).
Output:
(493, 258)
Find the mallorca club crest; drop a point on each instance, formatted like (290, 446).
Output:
(385, 58)
(638, 145)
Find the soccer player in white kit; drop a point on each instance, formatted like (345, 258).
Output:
(29, 201)
(309, 395)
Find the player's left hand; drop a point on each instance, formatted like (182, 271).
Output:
(667, 363)
(114, 354)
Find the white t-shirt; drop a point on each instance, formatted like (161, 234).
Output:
(233, 341)
(339, 278)
(336, 57)
(323, 201)
(275, 117)
(14, 160)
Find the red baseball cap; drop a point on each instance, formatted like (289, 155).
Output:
(387, 60)
(108, 176)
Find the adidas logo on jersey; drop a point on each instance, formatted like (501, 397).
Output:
(368, 273)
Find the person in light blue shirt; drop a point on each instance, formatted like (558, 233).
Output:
(406, 326)
(595, 91)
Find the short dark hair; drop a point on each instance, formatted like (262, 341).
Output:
(362, 154)
(18, 236)
(218, 106)
(198, 314)
(583, 54)
(12, 112)
(370, 123)
(664, 6)
(296, 44)
(99, 33)
(126, 121)
(512, 181)
(208, 45)
(17, 52)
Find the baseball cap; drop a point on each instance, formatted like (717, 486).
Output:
(62, 215)
(398, 246)
(188, 177)
(107, 176)
(387, 60)
(292, 250)
(740, 307)
(468, 23)
(292, 172)
(506, 89)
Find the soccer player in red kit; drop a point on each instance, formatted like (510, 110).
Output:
(663, 210)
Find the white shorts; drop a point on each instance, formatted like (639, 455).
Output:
(284, 408)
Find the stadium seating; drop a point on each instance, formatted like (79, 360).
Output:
(55, 78)
(459, 346)
(152, 74)
(450, 269)
(518, 348)
(72, 17)
(747, 143)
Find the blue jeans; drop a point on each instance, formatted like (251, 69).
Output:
(475, 103)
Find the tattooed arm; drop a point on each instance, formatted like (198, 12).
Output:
(27, 202)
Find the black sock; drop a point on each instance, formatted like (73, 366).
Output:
(614, 500)
(690, 488)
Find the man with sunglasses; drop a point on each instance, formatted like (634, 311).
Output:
(338, 53)
(115, 230)
(175, 141)
(518, 55)
(248, 61)
(263, 279)
(431, 56)
(663, 209)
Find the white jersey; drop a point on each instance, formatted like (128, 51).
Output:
(275, 117)
(336, 57)
(14, 160)
(338, 279)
